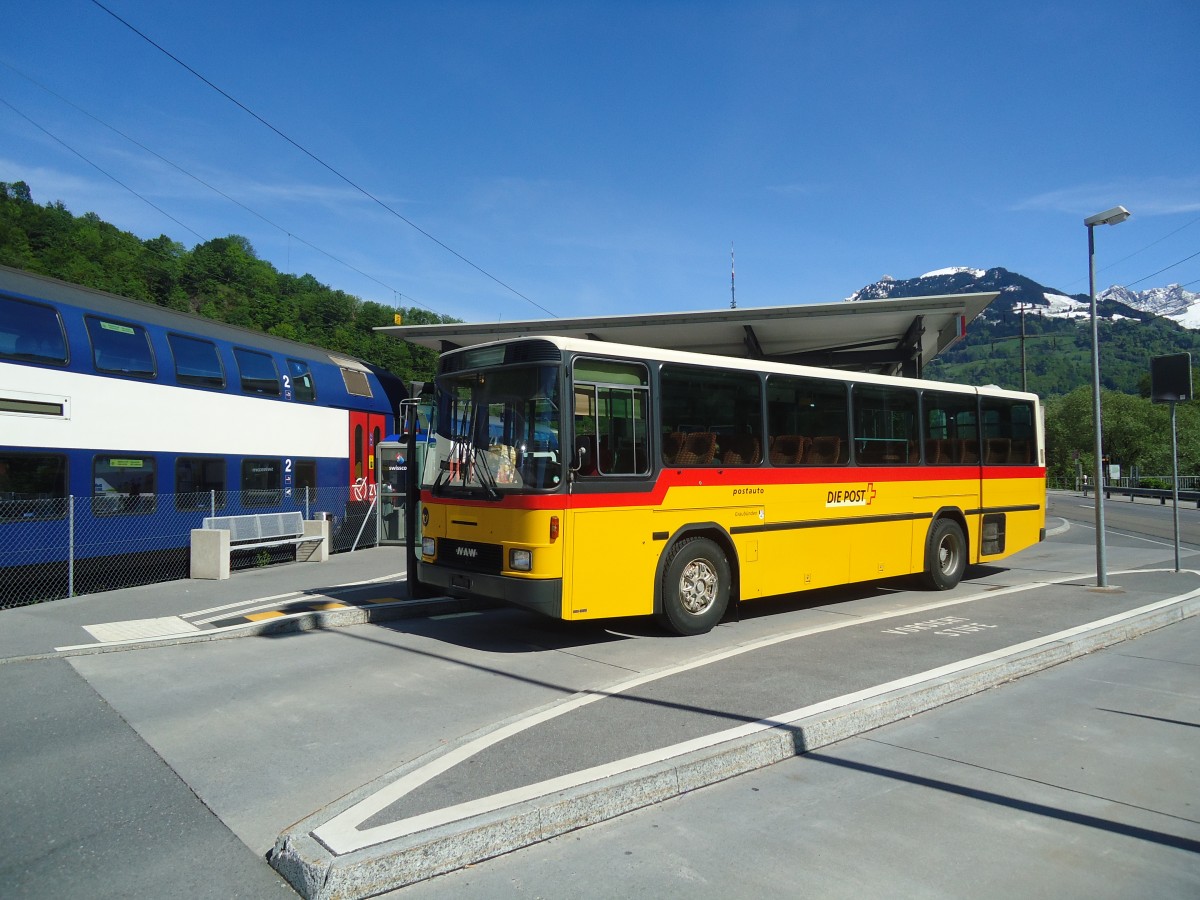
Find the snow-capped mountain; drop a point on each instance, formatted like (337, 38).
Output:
(1136, 326)
(1171, 301)
(1016, 291)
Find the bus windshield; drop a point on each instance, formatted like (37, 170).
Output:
(497, 432)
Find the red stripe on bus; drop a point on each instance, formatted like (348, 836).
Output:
(750, 477)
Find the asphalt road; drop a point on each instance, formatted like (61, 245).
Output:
(1146, 520)
(172, 770)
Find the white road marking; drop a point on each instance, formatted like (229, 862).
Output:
(139, 629)
(133, 630)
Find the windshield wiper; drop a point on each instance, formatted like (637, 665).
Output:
(488, 483)
(456, 466)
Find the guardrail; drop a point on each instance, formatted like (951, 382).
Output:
(1163, 494)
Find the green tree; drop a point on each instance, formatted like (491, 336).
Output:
(222, 278)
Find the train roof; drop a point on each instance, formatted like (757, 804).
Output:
(886, 337)
(42, 287)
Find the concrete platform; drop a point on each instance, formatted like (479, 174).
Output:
(603, 753)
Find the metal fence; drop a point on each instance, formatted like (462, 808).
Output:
(1078, 482)
(55, 548)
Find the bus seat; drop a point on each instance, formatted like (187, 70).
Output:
(672, 444)
(870, 453)
(997, 451)
(939, 451)
(825, 450)
(740, 450)
(698, 449)
(788, 449)
(605, 456)
(968, 451)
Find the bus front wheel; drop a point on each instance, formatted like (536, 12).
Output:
(695, 589)
(945, 555)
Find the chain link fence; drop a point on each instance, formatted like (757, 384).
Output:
(62, 547)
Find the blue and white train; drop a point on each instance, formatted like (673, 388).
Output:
(123, 423)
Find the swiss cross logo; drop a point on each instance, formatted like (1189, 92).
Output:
(851, 496)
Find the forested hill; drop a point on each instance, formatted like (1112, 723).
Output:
(221, 279)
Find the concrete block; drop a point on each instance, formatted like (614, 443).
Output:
(315, 528)
(210, 553)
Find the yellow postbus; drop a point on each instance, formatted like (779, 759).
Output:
(591, 480)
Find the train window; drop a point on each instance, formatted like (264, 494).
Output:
(32, 486)
(196, 362)
(303, 388)
(31, 332)
(261, 480)
(124, 485)
(306, 478)
(259, 375)
(120, 347)
(199, 480)
(356, 382)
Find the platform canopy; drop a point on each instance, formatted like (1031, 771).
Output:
(890, 337)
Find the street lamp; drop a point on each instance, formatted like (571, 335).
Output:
(1113, 216)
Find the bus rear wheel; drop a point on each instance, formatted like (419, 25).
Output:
(695, 589)
(945, 555)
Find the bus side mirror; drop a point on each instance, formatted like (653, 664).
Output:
(581, 452)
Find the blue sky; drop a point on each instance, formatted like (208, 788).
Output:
(601, 158)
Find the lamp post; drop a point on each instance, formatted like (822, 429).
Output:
(1113, 216)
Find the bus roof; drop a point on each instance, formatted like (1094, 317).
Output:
(887, 337)
(685, 357)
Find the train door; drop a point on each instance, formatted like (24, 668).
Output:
(366, 432)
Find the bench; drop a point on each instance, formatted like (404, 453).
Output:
(221, 535)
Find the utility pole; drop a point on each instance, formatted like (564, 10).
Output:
(1022, 308)
(732, 289)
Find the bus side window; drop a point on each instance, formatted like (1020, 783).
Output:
(807, 422)
(1008, 432)
(612, 410)
(950, 430)
(724, 410)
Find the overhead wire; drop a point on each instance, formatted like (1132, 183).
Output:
(1152, 243)
(1142, 249)
(216, 190)
(1164, 269)
(102, 171)
(324, 318)
(318, 160)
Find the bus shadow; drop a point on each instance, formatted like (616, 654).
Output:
(512, 630)
(832, 597)
(515, 630)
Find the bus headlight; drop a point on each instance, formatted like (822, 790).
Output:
(429, 547)
(520, 560)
